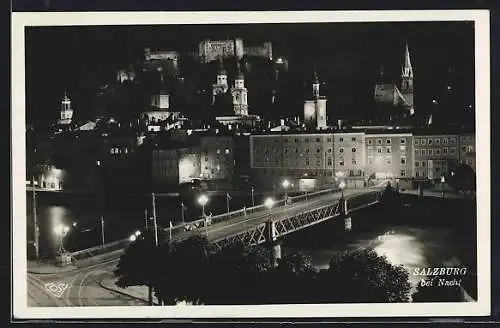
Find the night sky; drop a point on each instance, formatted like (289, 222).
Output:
(348, 57)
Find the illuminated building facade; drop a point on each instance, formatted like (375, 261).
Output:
(217, 157)
(165, 62)
(349, 156)
(434, 154)
(468, 150)
(51, 178)
(389, 155)
(276, 156)
(201, 157)
(210, 50)
(175, 166)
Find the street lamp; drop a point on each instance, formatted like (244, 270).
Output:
(269, 203)
(203, 200)
(442, 185)
(342, 186)
(61, 230)
(285, 185)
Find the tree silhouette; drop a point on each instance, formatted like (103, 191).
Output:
(138, 266)
(361, 276)
(293, 281)
(237, 275)
(462, 178)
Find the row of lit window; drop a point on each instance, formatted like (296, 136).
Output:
(437, 141)
(387, 141)
(468, 148)
(431, 152)
(342, 162)
(388, 161)
(271, 172)
(217, 167)
(307, 140)
(341, 150)
(388, 150)
(218, 151)
(118, 151)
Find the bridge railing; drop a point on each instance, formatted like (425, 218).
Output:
(202, 222)
(98, 250)
(363, 200)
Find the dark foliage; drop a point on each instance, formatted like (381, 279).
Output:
(194, 272)
(361, 276)
(463, 178)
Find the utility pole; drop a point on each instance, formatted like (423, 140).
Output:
(150, 286)
(154, 220)
(35, 224)
(146, 218)
(102, 230)
(183, 208)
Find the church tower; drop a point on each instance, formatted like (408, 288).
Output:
(221, 86)
(66, 114)
(407, 82)
(240, 93)
(161, 99)
(315, 109)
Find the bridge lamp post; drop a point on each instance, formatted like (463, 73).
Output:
(269, 203)
(61, 231)
(285, 185)
(253, 199)
(203, 200)
(342, 186)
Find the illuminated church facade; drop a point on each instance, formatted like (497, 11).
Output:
(391, 93)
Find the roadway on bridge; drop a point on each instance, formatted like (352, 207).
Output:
(81, 287)
(234, 226)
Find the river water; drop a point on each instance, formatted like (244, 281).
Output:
(411, 231)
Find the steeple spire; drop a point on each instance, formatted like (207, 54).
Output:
(315, 83)
(407, 68)
(315, 75)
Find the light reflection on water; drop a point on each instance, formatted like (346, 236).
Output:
(402, 245)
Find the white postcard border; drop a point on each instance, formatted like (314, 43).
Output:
(482, 71)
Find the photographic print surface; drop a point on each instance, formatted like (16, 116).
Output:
(256, 165)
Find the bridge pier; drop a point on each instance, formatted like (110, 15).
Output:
(345, 215)
(276, 252)
(272, 242)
